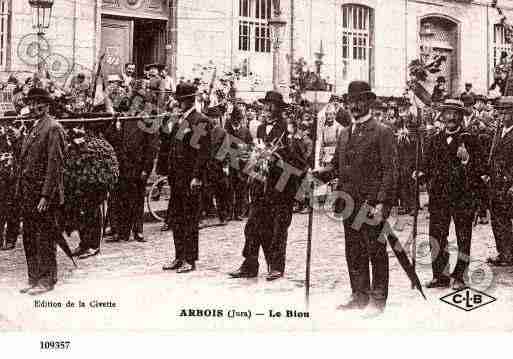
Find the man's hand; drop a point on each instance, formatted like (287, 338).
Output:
(144, 176)
(463, 154)
(485, 179)
(195, 184)
(510, 192)
(43, 205)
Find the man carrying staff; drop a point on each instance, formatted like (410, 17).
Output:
(189, 152)
(40, 191)
(365, 164)
(452, 166)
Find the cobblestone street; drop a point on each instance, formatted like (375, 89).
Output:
(147, 298)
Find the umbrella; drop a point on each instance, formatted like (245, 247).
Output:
(404, 261)
(61, 241)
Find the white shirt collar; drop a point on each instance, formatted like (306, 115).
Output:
(506, 130)
(363, 119)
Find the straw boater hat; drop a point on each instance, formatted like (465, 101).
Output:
(451, 104)
(504, 103)
(114, 78)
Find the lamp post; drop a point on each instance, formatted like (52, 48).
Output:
(41, 16)
(319, 96)
(277, 25)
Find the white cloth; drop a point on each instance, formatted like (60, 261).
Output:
(360, 121)
(505, 131)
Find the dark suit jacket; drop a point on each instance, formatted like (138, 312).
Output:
(501, 167)
(188, 155)
(450, 181)
(41, 164)
(135, 148)
(366, 163)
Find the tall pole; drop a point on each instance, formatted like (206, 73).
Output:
(277, 24)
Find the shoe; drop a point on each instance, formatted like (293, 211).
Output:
(273, 275)
(139, 238)
(186, 268)
(458, 284)
(223, 223)
(91, 252)
(354, 304)
(40, 289)
(244, 272)
(78, 252)
(236, 218)
(108, 232)
(26, 289)
(8, 247)
(115, 238)
(373, 311)
(165, 228)
(174, 265)
(438, 283)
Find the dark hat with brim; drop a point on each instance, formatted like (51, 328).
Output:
(186, 91)
(360, 90)
(159, 67)
(455, 105)
(504, 103)
(213, 112)
(273, 97)
(39, 95)
(480, 98)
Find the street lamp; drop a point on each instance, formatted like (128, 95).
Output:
(277, 25)
(41, 14)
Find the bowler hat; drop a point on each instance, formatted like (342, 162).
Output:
(451, 104)
(214, 112)
(39, 95)
(273, 97)
(185, 90)
(360, 89)
(504, 103)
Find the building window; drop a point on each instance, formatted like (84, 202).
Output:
(357, 38)
(254, 32)
(499, 43)
(4, 32)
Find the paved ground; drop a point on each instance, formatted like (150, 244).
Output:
(148, 299)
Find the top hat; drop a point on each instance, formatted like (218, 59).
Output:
(451, 104)
(360, 89)
(185, 91)
(39, 95)
(273, 97)
(504, 103)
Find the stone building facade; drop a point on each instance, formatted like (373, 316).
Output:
(372, 40)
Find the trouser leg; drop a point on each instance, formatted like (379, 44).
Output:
(502, 228)
(439, 221)
(357, 259)
(31, 247)
(463, 219)
(281, 219)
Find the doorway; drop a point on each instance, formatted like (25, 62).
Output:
(149, 43)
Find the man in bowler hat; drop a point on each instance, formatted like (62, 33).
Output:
(189, 152)
(40, 190)
(271, 204)
(365, 165)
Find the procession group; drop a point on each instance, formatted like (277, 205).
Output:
(368, 144)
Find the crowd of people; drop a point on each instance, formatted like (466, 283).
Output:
(226, 157)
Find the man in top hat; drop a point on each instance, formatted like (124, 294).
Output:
(500, 178)
(365, 165)
(452, 167)
(40, 192)
(271, 206)
(189, 152)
